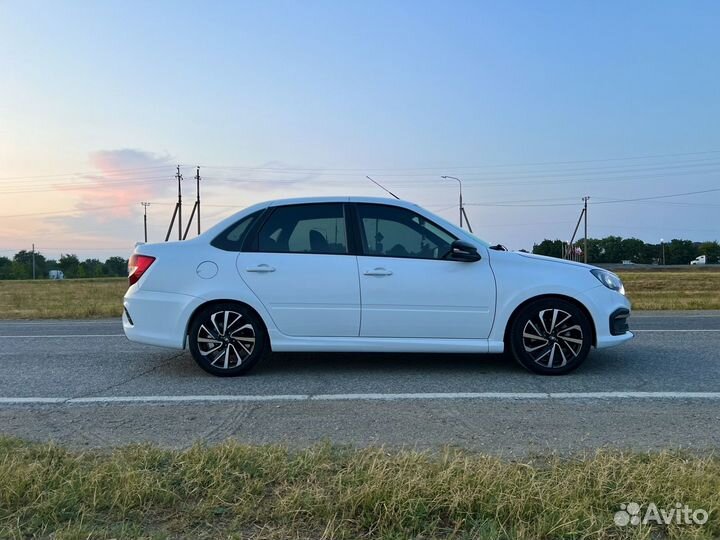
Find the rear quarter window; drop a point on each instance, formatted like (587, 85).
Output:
(233, 238)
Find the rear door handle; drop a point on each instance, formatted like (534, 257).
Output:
(378, 272)
(260, 268)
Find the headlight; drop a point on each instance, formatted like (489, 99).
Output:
(610, 280)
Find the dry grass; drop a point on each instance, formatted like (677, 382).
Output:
(673, 290)
(235, 491)
(87, 298)
(67, 299)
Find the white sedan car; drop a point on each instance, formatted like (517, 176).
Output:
(364, 275)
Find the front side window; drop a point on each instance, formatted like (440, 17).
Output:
(306, 228)
(391, 231)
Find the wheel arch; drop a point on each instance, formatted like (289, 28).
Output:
(225, 301)
(582, 307)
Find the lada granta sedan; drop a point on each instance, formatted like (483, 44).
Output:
(358, 274)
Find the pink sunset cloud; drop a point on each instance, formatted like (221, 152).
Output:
(124, 178)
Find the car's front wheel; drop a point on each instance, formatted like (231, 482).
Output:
(550, 336)
(227, 339)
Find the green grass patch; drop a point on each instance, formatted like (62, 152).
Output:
(238, 491)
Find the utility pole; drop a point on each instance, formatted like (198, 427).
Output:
(662, 245)
(585, 254)
(196, 207)
(179, 203)
(145, 205)
(178, 209)
(197, 187)
(461, 207)
(33, 260)
(571, 244)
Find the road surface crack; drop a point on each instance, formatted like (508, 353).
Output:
(98, 393)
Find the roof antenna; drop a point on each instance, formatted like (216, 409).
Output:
(382, 187)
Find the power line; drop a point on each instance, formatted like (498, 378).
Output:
(445, 167)
(72, 174)
(707, 162)
(76, 174)
(612, 201)
(560, 177)
(90, 209)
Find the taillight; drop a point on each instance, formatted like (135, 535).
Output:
(137, 265)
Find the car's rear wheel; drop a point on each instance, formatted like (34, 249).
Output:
(551, 336)
(227, 339)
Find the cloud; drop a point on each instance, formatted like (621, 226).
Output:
(124, 177)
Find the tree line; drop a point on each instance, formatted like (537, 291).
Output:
(21, 266)
(615, 249)
(611, 249)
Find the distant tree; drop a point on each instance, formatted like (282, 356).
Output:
(631, 249)
(70, 265)
(23, 265)
(551, 248)
(680, 251)
(90, 268)
(6, 269)
(711, 250)
(651, 254)
(615, 249)
(116, 266)
(611, 249)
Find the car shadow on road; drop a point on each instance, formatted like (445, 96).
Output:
(345, 363)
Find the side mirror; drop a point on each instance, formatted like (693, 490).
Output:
(463, 251)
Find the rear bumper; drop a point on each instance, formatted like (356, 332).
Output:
(158, 318)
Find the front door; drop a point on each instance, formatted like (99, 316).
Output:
(408, 289)
(302, 271)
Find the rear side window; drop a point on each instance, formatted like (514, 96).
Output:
(232, 238)
(306, 228)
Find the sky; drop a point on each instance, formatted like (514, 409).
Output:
(532, 104)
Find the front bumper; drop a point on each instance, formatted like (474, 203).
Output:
(610, 311)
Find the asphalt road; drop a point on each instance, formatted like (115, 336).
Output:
(82, 383)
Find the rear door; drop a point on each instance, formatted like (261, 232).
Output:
(301, 269)
(408, 289)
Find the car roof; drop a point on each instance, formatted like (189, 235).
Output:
(345, 198)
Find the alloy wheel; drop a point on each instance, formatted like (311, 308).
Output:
(226, 339)
(552, 338)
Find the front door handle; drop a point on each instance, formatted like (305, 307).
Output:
(378, 272)
(260, 268)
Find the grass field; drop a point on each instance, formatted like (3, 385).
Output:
(67, 299)
(238, 491)
(673, 290)
(86, 298)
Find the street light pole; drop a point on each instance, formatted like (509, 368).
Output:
(461, 199)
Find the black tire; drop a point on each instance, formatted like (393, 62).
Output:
(550, 336)
(227, 339)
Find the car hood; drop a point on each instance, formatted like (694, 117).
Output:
(542, 259)
(555, 260)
